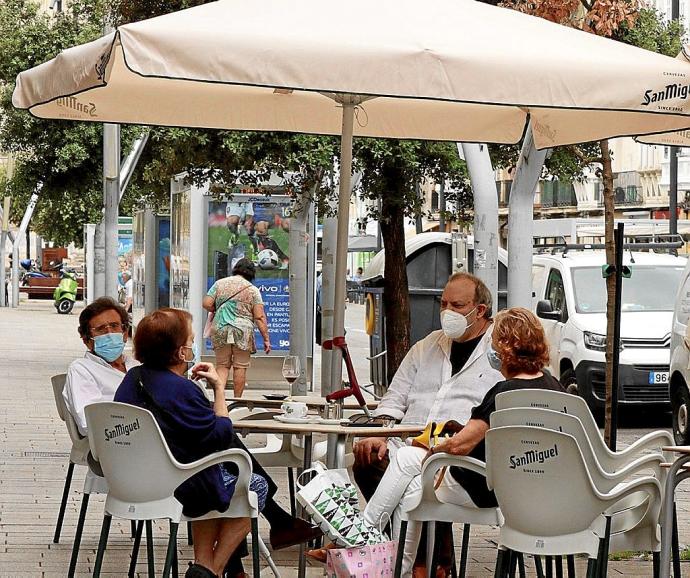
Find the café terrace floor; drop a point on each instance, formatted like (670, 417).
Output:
(34, 449)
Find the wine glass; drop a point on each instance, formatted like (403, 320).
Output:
(291, 368)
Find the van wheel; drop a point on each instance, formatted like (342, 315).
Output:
(681, 415)
(569, 382)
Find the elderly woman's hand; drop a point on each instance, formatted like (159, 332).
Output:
(207, 371)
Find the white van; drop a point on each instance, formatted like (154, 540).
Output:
(570, 298)
(680, 362)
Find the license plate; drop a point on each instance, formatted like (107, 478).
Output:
(658, 377)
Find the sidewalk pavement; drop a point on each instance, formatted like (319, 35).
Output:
(38, 343)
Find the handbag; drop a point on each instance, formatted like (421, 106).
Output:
(208, 326)
(372, 561)
(433, 433)
(331, 499)
(368, 561)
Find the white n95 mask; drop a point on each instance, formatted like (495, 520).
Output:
(454, 324)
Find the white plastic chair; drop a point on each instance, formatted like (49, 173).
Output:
(551, 502)
(632, 522)
(93, 484)
(577, 406)
(428, 508)
(143, 475)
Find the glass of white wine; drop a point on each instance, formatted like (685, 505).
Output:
(291, 368)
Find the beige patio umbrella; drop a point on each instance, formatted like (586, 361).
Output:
(445, 70)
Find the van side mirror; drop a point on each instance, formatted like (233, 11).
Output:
(545, 311)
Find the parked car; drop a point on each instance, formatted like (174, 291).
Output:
(570, 298)
(680, 360)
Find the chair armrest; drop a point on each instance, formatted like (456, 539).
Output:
(437, 461)
(236, 456)
(652, 441)
(646, 462)
(647, 484)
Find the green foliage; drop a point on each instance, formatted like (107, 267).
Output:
(652, 32)
(64, 156)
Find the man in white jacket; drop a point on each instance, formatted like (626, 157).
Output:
(442, 377)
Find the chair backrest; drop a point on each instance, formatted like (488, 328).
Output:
(58, 382)
(556, 401)
(555, 421)
(132, 451)
(541, 482)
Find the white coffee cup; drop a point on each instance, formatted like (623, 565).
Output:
(295, 409)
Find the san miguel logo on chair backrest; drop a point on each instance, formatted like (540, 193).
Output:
(121, 429)
(533, 457)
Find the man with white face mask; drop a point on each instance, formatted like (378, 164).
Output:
(442, 377)
(103, 327)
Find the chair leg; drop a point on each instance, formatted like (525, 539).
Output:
(401, 549)
(591, 568)
(172, 546)
(559, 566)
(512, 567)
(291, 488)
(149, 548)
(255, 547)
(135, 549)
(176, 562)
(464, 550)
(63, 503)
(571, 566)
(656, 565)
(433, 547)
(675, 548)
(190, 538)
(549, 567)
(102, 543)
(132, 529)
(604, 550)
(267, 556)
(521, 565)
(501, 557)
(77, 535)
(538, 566)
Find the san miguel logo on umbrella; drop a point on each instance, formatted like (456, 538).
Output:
(669, 92)
(73, 104)
(533, 457)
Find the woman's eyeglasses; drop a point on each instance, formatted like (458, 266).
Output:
(107, 328)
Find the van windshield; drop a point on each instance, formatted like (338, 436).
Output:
(649, 289)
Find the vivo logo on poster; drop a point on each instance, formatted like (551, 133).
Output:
(533, 457)
(669, 92)
(121, 429)
(269, 288)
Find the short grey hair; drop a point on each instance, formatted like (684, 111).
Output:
(482, 295)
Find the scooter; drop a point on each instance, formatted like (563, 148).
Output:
(65, 293)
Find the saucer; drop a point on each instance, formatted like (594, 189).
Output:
(276, 396)
(324, 421)
(285, 419)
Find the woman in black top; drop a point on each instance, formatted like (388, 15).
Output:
(520, 352)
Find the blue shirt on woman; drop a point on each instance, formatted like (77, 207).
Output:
(191, 429)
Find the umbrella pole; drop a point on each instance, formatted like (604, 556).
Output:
(341, 247)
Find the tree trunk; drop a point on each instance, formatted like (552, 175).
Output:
(609, 214)
(396, 301)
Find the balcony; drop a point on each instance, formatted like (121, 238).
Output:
(557, 194)
(629, 196)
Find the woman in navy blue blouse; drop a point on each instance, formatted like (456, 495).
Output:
(193, 428)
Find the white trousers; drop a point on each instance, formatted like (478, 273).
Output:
(400, 485)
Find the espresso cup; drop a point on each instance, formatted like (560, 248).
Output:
(295, 409)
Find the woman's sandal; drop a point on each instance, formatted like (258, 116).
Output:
(320, 554)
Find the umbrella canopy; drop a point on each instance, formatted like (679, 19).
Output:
(445, 70)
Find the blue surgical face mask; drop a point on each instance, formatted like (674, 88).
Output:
(196, 357)
(494, 359)
(109, 346)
